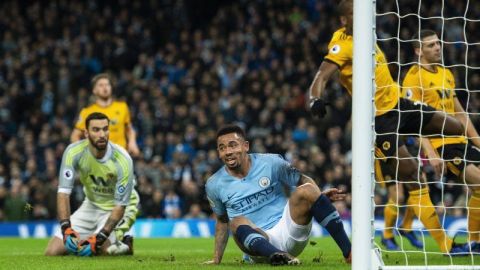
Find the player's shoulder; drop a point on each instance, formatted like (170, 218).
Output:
(341, 36)
(215, 178)
(412, 73)
(119, 104)
(267, 156)
(75, 149)
(120, 152)
(414, 69)
(77, 146)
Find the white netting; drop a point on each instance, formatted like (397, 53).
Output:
(457, 24)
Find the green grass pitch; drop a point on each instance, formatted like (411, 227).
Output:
(169, 253)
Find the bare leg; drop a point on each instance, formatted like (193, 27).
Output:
(55, 247)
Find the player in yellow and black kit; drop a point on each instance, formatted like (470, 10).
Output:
(431, 83)
(121, 129)
(393, 116)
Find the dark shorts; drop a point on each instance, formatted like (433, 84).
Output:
(459, 155)
(407, 118)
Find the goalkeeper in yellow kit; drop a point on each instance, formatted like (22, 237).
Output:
(394, 116)
(431, 83)
(110, 206)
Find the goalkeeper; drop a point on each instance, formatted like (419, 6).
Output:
(394, 116)
(431, 83)
(110, 206)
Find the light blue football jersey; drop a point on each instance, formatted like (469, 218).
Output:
(260, 196)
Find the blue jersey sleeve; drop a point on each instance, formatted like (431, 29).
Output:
(215, 202)
(286, 172)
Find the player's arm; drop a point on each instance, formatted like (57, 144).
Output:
(221, 225)
(77, 133)
(462, 116)
(432, 155)
(66, 180)
(132, 140)
(115, 217)
(221, 238)
(324, 73)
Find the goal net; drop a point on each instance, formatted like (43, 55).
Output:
(396, 24)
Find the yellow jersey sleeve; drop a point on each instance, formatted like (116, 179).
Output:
(340, 50)
(411, 87)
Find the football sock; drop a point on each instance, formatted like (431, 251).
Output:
(326, 215)
(419, 200)
(474, 217)
(390, 215)
(408, 217)
(253, 241)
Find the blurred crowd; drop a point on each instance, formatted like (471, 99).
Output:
(185, 68)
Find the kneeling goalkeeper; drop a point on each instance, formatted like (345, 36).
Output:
(101, 224)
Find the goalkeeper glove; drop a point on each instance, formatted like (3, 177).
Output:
(70, 236)
(318, 107)
(92, 245)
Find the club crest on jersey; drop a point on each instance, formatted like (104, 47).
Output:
(386, 145)
(335, 49)
(457, 161)
(409, 93)
(264, 182)
(68, 174)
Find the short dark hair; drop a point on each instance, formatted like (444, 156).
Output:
(419, 36)
(231, 128)
(345, 7)
(100, 76)
(95, 116)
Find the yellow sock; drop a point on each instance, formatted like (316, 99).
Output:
(408, 217)
(422, 205)
(390, 216)
(474, 217)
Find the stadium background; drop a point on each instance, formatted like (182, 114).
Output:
(185, 68)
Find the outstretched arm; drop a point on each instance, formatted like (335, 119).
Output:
(324, 73)
(221, 239)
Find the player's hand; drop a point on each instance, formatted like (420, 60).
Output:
(133, 149)
(334, 194)
(437, 166)
(92, 245)
(318, 107)
(70, 237)
(211, 262)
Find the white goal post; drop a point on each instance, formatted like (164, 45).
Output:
(365, 254)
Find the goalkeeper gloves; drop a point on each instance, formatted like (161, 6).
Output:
(92, 245)
(70, 236)
(318, 107)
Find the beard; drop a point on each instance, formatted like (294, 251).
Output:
(100, 145)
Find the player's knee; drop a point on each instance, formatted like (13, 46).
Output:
(307, 192)
(235, 222)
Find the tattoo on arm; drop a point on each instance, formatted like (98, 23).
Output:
(221, 238)
(114, 218)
